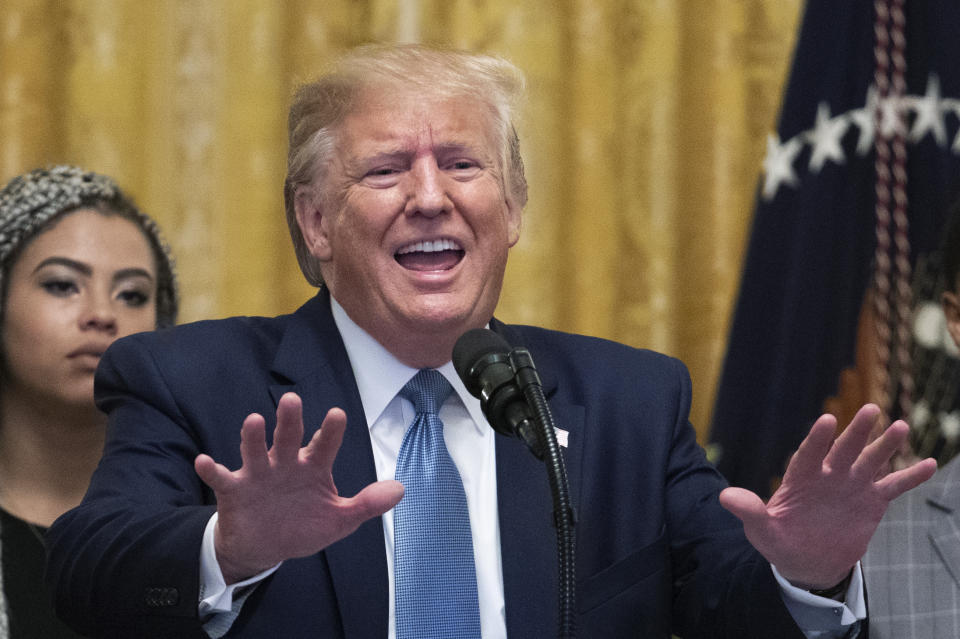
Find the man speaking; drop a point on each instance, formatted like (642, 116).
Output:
(326, 473)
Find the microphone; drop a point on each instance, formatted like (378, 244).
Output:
(511, 397)
(483, 361)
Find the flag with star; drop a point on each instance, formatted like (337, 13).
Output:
(811, 252)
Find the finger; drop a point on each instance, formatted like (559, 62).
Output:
(214, 475)
(881, 450)
(747, 506)
(325, 443)
(288, 436)
(853, 439)
(895, 484)
(808, 460)
(375, 499)
(253, 445)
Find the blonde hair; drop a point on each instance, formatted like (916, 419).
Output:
(320, 106)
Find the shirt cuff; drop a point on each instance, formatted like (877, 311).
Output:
(814, 613)
(215, 595)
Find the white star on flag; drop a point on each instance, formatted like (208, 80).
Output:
(826, 137)
(929, 115)
(778, 164)
(863, 118)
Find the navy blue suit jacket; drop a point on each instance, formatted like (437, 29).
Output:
(655, 551)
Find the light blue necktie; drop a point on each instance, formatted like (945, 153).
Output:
(435, 577)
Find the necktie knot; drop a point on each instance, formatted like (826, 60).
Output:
(427, 390)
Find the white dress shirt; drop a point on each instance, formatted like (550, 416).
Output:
(470, 440)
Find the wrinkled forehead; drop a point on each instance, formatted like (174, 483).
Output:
(418, 117)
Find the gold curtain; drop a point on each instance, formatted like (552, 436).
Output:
(643, 136)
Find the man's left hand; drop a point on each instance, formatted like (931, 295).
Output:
(817, 524)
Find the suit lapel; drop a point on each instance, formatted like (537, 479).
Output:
(312, 362)
(528, 540)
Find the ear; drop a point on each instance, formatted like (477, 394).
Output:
(951, 309)
(312, 223)
(514, 219)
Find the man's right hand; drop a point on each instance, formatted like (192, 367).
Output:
(282, 502)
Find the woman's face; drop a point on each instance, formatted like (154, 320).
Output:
(76, 287)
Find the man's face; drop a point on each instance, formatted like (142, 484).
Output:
(413, 226)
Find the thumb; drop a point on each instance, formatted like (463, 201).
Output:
(746, 505)
(213, 474)
(376, 499)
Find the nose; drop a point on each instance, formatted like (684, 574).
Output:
(428, 196)
(99, 315)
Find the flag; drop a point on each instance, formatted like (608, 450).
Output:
(811, 252)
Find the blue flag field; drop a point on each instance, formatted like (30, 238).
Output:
(811, 254)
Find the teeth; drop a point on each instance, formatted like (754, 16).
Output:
(430, 247)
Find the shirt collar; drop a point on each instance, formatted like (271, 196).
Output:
(380, 375)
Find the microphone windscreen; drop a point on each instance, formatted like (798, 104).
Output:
(471, 348)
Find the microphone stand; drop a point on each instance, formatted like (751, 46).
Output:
(564, 516)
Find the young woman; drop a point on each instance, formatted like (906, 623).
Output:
(80, 266)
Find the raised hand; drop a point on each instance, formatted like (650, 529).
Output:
(282, 502)
(816, 526)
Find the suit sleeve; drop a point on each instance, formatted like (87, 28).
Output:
(722, 586)
(125, 563)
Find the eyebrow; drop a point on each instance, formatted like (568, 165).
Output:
(455, 146)
(85, 269)
(395, 152)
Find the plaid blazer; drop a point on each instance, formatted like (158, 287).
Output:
(912, 566)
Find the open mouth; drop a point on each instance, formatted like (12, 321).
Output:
(430, 255)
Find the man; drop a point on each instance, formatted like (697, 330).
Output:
(912, 566)
(404, 193)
